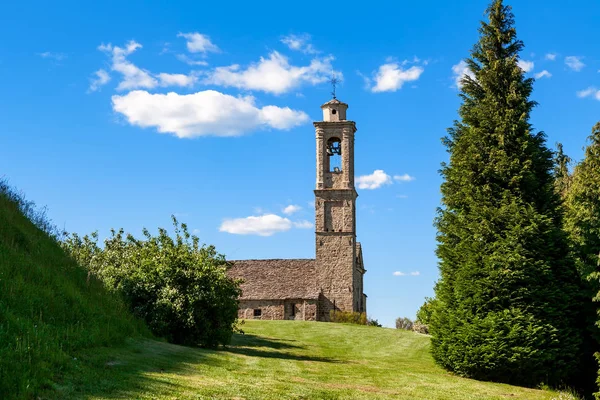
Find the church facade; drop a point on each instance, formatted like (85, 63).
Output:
(308, 289)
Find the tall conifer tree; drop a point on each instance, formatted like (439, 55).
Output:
(507, 297)
(562, 175)
(582, 201)
(582, 222)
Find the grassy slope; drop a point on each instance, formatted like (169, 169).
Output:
(49, 310)
(278, 360)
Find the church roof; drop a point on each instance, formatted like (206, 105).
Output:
(277, 279)
(333, 101)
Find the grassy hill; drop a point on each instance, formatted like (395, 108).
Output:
(63, 336)
(282, 360)
(49, 308)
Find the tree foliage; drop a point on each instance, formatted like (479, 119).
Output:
(404, 323)
(582, 222)
(179, 288)
(507, 300)
(562, 175)
(582, 202)
(425, 311)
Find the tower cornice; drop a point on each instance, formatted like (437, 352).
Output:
(341, 124)
(329, 193)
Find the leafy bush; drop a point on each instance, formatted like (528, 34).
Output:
(373, 322)
(420, 328)
(424, 313)
(348, 317)
(177, 286)
(404, 323)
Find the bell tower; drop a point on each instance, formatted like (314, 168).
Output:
(339, 264)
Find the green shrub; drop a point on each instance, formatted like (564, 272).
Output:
(348, 317)
(178, 287)
(425, 311)
(420, 328)
(373, 322)
(404, 323)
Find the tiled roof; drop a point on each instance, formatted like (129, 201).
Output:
(276, 279)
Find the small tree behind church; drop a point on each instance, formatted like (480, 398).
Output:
(507, 300)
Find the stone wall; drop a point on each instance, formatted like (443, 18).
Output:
(297, 309)
(335, 265)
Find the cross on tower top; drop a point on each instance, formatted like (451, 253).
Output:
(334, 81)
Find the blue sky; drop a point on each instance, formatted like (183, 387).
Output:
(121, 114)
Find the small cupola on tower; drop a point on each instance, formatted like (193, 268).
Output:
(334, 111)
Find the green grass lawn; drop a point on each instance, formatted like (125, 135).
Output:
(280, 360)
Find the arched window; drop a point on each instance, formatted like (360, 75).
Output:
(334, 152)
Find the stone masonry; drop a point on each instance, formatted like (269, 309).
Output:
(308, 289)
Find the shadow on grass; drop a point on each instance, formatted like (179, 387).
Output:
(246, 345)
(153, 369)
(250, 352)
(136, 370)
(247, 340)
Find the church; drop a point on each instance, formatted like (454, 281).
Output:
(308, 289)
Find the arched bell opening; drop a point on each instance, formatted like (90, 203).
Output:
(334, 154)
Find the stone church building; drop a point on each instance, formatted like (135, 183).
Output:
(307, 289)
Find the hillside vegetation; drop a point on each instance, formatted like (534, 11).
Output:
(50, 309)
(282, 360)
(64, 336)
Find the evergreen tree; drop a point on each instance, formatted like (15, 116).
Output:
(582, 202)
(562, 176)
(507, 300)
(582, 222)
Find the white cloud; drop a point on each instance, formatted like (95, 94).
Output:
(589, 92)
(53, 56)
(374, 181)
(273, 74)
(176, 79)
(133, 77)
(203, 113)
(303, 224)
(190, 61)
(404, 178)
(400, 273)
(550, 56)
(101, 78)
(526, 66)
(379, 178)
(461, 70)
(543, 74)
(575, 63)
(299, 43)
(264, 225)
(198, 43)
(390, 77)
(292, 208)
